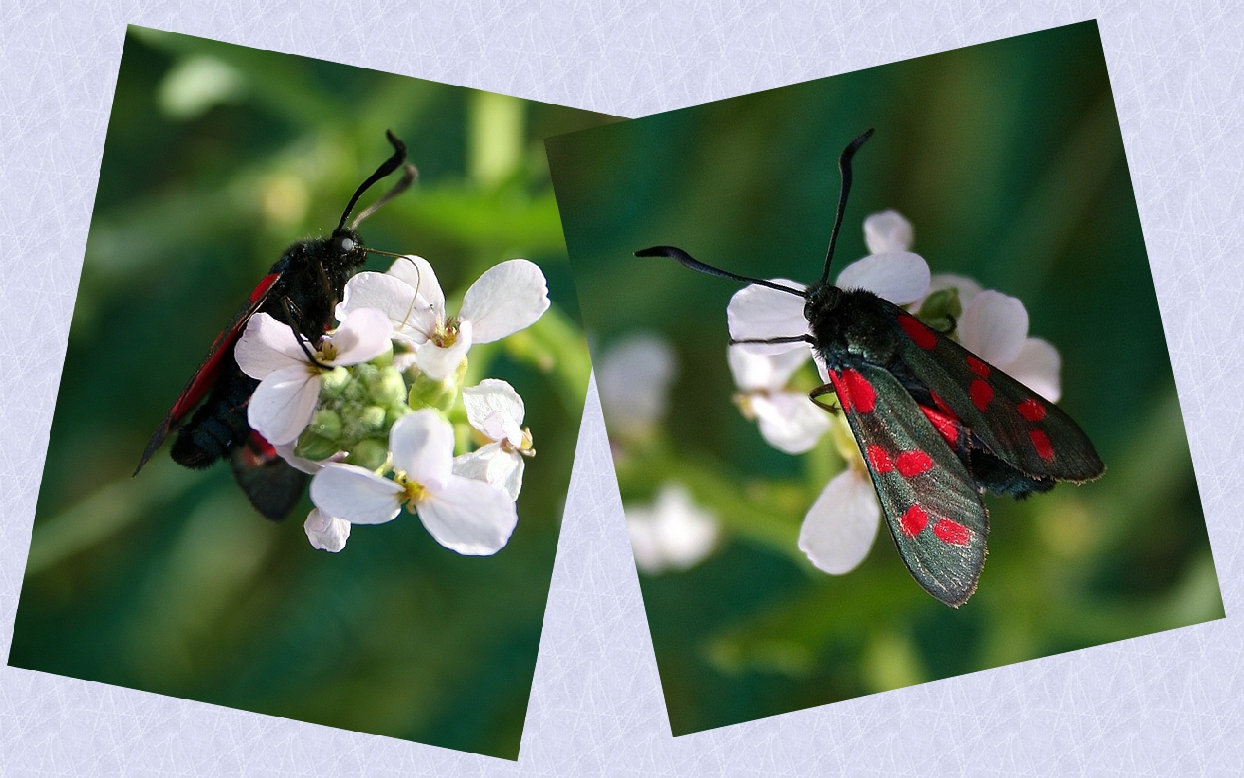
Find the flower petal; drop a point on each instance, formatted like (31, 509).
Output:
(507, 298)
(757, 313)
(282, 405)
(493, 465)
(842, 524)
(764, 372)
(642, 531)
(364, 335)
(410, 315)
(789, 421)
(993, 327)
(266, 346)
(418, 274)
(887, 231)
(468, 516)
(311, 467)
(900, 277)
(326, 532)
(685, 533)
(440, 363)
(633, 377)
(495, 409)
(355, 494)
(423, 447)
(967, 287)
(1037, 367)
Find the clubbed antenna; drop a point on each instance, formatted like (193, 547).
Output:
(389, 165)
(844, 168)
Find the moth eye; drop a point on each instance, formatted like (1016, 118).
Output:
(347, 245)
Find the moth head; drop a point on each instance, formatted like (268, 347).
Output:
(823, 300)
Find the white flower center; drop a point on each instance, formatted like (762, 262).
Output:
(446, 333)
(414, 493)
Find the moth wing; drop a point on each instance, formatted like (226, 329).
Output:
(209, 371)
(273, 485)
(1019, 426)
(929, 499)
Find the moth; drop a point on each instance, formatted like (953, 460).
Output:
(936, 425)
(302, 290)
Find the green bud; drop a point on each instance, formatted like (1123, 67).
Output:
(334, 382)
(372, 418)
(441, 395)
(395, 412)
(385, 359)
(942, 305)
(326, 424)
(388, 389)
(369, 453)
(313, 447)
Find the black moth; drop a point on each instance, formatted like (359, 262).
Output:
(937, 426)
(302, 289)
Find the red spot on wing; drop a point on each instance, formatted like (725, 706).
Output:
(921, 335)
(1041, 442)
(945, 426)
(841, 390)
(981, 394)
(978, 367)
(863, 396)
(914, 521)
(913, 463)
(952, 532)
(879, 459)
(1031, 410)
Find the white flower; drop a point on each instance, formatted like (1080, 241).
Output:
(507, 298)
(496, 410)
(840, 527)
(326, 532)
(633, 378)
(672, 534)
(467, 516)
(283, 403)
(789, 421)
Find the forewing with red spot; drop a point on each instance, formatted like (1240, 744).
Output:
(930, 501)
(1018, 426)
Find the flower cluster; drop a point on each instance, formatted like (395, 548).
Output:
(367, 409)
(842, 523)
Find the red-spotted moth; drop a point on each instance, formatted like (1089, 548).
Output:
(937, 426)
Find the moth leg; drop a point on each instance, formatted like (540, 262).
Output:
(821, 391)
(302, 339)
(326, 286)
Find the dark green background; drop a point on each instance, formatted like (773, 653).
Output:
(1007, 158)
(170, 582)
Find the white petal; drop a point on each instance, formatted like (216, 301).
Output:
(505, 299)
(495, 409)
(640, 527)
(900, 277)
(326, 532)
(789, 421)
(633, 377)
(468, 516)
(1037, 367)
(423, 446)
(684, 532)
(364, 335)
(283, 404)
(757, 313)
(311, 467)
(841, 525)
(355, 494)
(993, 327)
(416, 272)
(764, 372)
(411, 316)
(493, 465)
(887, 231)
(440, 363)
(267, 346)
(967, 287)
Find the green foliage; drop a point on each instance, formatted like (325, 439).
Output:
(1007, 159)
(218, 157)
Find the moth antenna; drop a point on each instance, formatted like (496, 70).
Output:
(844, 169)
(686, 260)
(387, 167)
(409, 174)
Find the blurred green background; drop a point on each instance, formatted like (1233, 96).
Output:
(1008, 160)
(217, 157)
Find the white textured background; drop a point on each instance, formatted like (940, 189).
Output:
(1166, 705)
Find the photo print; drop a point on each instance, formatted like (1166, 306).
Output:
(326, 313)
(955, 446)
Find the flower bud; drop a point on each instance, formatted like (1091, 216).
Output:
(313, 447)
(385, 360)
(334, 382)
(388, 389)
(429, 393)
(372, 418)
(369, 453)
(941, 309)
(326, 424)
